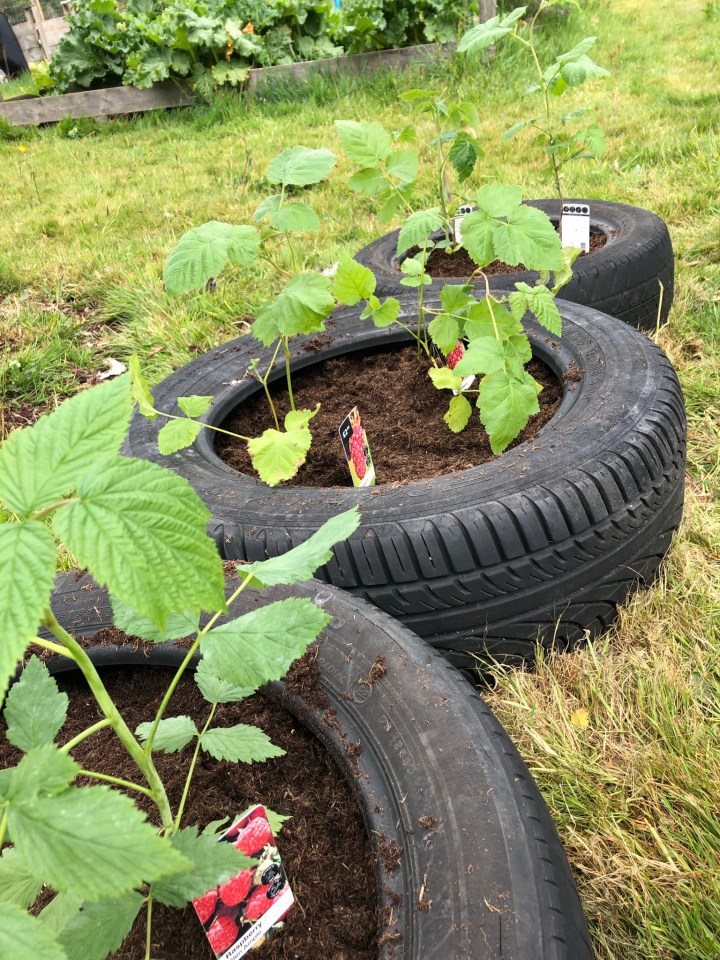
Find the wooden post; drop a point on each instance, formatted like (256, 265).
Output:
(37, 17)
(488, 9)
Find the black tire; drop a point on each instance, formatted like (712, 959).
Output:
(542, 543)
(621, 279)
(492, 862)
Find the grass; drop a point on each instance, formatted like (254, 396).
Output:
(90, 211)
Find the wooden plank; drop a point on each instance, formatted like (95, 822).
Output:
(39, 19)
(488, 9)
(27, 38)
(95, 103)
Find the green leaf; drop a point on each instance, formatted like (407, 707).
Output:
(485, 34)
(276, 820)
(417, 229)
(478, 237)
(490, 320)
(392, 203)
(353, 282)
(300, 307)
(27, 560)
(518, 352)
(99, 929)
(43, 463)
(215, 689)
(212, 863)
(506, 405)
(577, 51)
(60, 911)
(403, 165)
(463, 155)
(261, 645)
(528, 237)
(458, 414)
(35, 709)
(229, 73)
(140, 390)
(455, 298)
(301, 166)
(277, 455)
(92, 842)
(131, 512)
(203, 252)
(17, 884)
(383, 314)
(177, 626)
(268, 206)
(177, 435)
(195, 406)
(517, 127)
(239, 744)
(594, 138)
(540, 302)
(484, 355)
(24, 936)
(444, 378)
(444, 331)
(43, 771)
(303, 561)
(368, 182)
(578, 71)
(365, 143)
(295, 216)
(173, 733)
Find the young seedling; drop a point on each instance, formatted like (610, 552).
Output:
(566, 72)
(63, 481)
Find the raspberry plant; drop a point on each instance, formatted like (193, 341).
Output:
(140, 530)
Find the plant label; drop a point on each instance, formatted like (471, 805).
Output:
(248, 910)
(575, 226)
(357, 450)
(463, 211)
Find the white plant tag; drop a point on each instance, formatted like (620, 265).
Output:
(575, 225)
(463, 211)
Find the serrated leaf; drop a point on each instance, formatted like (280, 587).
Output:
(392, 203)
(43, 771)
(177, 626)
(303, 561)
(173, 733)
(27, 560)
(300, 307)
(92, 842)
(301, 166)
(484, 35)
(131, 512)
(444, 331)
(528, 236)
(277, 455)
(295, 216)
(212, 863)
(24, 936)
(463, 155)
(353, 282)
(540, 302)
(99, 929)
(486, 319)
(517, 127)
(498, 200)
(17, 884)
(577, 51)
(177, 435)
(458, 414)
(365, 143)
(43, 463)
(578, 71)
(403, 165)
(261, 645)
(276, 820)
(203, 252)
(195, 406)
(140, 390)
(239, 744)
(417, 229)
(60, 911)
(215, 689)
(269, 205)
(478, 237)
(34, 709)
(506, 405)
(518, 352)
(444, 378)
(455, 298)
(368, 182)
(385, 313)
(482, 356)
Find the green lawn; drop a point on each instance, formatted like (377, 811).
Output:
(89, 212)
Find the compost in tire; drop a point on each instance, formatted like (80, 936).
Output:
(623, 278)
(469, 864)
(540, 544)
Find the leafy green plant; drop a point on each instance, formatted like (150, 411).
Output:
(63, 481)
(377, 24)
(566, 72)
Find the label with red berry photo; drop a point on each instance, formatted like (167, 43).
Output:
(357, 451)
(242, 914)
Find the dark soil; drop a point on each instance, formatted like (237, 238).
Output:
(23, 416)
(460, 264)
(325, 849)
(401, 410)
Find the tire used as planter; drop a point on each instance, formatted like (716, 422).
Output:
(542, 543)
(481, 873)
(622, 278)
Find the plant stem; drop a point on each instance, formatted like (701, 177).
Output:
(71, 744)
(208, 426)
(148, 928)
(46, 511)
(264, 381)
(287, 372)
(52, 647)
(3, 826)
(106, 704)
(118, 781)
(191, 770)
